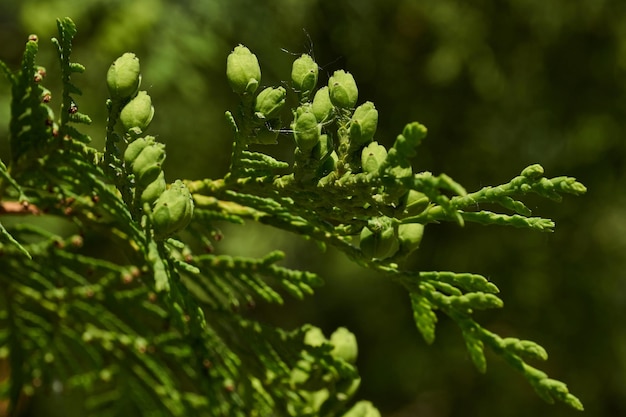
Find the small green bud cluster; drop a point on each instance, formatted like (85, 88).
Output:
(144, 158)
(316, 155)
(378, 239)
(390, 241)
(332, 134)
(170, 209)
(381, 239)
(306, 376)
(123, 81)
(330, 113)
(326, 125)
(343, 341)
(244, 75)
(315, 149)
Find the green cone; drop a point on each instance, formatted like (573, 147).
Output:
(123, 77)
(243, 70)
(172, 211)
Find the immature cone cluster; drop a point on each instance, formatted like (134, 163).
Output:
(381, 240)
(391, 241)
(378, 239)
(144, 157)
(123, 80)
(244, 76)
(306, 374)
(343, 341)
(171, 209)
(316, 156)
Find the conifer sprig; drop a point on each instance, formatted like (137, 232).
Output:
(69, 110)
(161, 328)
(333, 195)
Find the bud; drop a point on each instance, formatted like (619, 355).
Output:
(243, 70)
(314, 337)
(154, 189)
(123, 77)
(321, 106)
(138, 112)
(344, 345)
(270, 102)
(173, 210)
(306, 130)
(363, 124)
(533, 172)
(147, 165)
(372, 156)
(342, 89)
(378, 239)
(363, 409)
(134, 149)
(304, 74)
(410, 236)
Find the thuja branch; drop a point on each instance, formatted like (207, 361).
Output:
(167, 326)
(345, 184)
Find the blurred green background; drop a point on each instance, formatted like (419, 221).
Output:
(500, 85)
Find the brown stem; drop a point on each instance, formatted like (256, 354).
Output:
(17, 208)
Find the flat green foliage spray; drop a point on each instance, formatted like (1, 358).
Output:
(166, 332)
